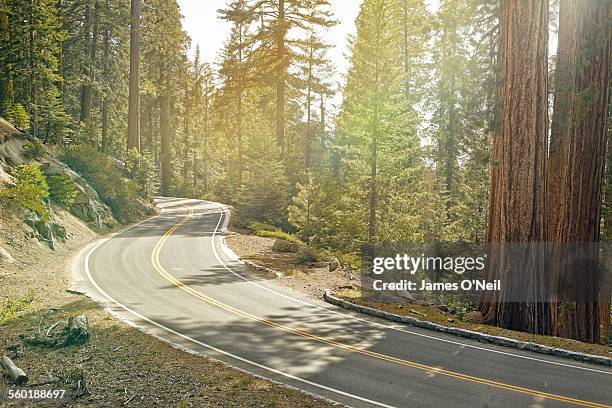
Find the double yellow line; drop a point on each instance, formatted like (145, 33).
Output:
(155, 255)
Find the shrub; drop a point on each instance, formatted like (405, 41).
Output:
(139, 167)
(62, 190)
(33, 150)
(30, 190)
(18, 116)
(278, 234)
(260, 226)
(121, 194)
(11, 307)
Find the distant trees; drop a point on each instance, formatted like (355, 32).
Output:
(377, 125)
(31, 43)
(277, 53)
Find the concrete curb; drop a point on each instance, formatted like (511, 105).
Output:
(469, 334)
(257, 267)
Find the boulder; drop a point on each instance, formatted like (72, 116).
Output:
(46, 232)
(282, 245)
(307, 255)
(87, 204)
(334, 264)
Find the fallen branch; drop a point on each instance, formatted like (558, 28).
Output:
(40, 341)
(50, 329)
(16, 373)
(76, 332)
(38, 384)
(416, 312)
(52, 309)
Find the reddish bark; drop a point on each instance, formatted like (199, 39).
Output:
(577, 163)
(518, 177)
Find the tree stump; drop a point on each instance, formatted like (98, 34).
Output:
(76, 331)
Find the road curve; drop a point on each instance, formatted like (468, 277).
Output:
(173, 277)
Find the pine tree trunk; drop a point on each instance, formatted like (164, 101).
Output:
(4, 38)
(518, 188)
(164, 131)
(309, 134)
(281, 33)
(5, 69)
(85, 69)
(577, 163)
(186, 133)
(322, 114)
(373, 182)
(133, 140)
(206, 136)
(105, 60)
(87, 88)
(240, 161)
(32, 73)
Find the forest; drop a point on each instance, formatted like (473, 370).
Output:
(457, 123)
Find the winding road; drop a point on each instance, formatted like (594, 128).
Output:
(173, 276)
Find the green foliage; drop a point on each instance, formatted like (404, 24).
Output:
(30, 49)
(30, 190)
(33, 150)
(17, 115)
(278, 234)
(11, 307)
(140, 168)
(260, 226)
(62, 190)
(265, 197)
(121, 194)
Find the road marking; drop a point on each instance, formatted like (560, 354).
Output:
(213, 348)
(160, 269)
(223, 211)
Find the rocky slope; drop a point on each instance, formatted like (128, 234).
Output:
(87, 205)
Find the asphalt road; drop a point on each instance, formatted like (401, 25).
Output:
(172, 276)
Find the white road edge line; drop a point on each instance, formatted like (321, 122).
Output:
(208, 346)
(223, 211)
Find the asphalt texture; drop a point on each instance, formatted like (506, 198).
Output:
(173, 276)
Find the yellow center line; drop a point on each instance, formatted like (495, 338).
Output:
(155, 255)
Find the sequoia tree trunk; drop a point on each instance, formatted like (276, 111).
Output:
(517, 218)
(576, 166)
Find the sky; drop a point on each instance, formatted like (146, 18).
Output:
(206, 30)
(201, 23)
